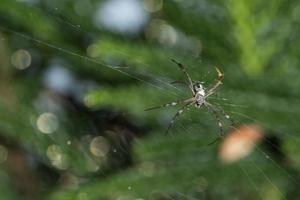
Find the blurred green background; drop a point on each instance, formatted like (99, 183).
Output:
(77, 75)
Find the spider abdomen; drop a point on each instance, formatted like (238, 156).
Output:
(200, 99)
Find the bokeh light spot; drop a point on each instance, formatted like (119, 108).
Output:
(92, 51)
(47, 123)
(21, 59)
(240, 143)
(161, 31)
(92, 166)
(99, 146)
(121, 16)
(57, 157)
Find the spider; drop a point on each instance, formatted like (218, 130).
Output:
(199, 98)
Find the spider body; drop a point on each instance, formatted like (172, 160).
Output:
(199, 95)
(199, 98)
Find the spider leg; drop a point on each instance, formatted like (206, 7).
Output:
(224, 113)
(183, 69)
(212, 110)
(185, 84)
(178, 113)
(179, 82)
(214, 141)
(172, 103)
(217, 84)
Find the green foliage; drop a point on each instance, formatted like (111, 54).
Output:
(256, 45)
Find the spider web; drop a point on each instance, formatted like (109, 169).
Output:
(183, 130)
(185, 127)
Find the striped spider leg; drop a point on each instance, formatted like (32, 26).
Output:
(185, 102)
(215, 111)
(188, 77)
(217, 84)
(199, 98)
